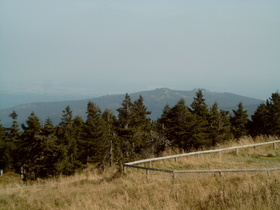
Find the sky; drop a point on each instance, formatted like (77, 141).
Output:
(94, 47)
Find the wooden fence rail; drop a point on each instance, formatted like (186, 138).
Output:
(220, 171)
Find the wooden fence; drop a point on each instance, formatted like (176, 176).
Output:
(134, 164)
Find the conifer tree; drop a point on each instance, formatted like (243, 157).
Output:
(220, 127)
(78, 130)
(266, 119)
(67, 144)
(14, 131)
(111, 123)
(177, 123)
(258, 124)
(133, 126)
(6, 154)
(139, 114)
(199, 106)
(200, 135)
(164, 117)
(273, 112)
(13, 142)
(239, 122)
(49, 158)
(124, 116)
(141, 124)
(125, 131)
(95, 136)
(31, 147)
(9, 143)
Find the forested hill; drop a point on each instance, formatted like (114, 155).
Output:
(155, 100)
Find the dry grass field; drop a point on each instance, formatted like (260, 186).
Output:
(92, 189)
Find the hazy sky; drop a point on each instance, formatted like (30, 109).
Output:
(96, 47)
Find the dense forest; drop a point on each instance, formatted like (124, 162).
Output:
(39, 149)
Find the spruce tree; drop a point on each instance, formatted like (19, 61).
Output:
(111, 123)
(125, 131)
(141, 125)
(95, 136)
(78, 132)
(273, 112)
(124, 116)
(31, 147)
(220, 127)
(199, 132)
(67, 144)
(6, 151)
(13, 134)
(50, 151)
(266, 119)
(176, 123)
(133, 127)
(258, 124)
(239, 122)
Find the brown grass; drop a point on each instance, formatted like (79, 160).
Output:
(92, 190)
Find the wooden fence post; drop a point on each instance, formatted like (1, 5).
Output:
(274, 146)
(147, 173)
(237, 152)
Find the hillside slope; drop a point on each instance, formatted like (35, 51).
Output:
(155, 100)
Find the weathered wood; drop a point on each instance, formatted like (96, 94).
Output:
(226, 170)
(237, 152)
(201, 152)
(220, 154)
(147, 168)
(220, 171)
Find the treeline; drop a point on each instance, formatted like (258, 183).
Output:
(45, 150)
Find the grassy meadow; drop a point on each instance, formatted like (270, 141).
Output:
(94, 189)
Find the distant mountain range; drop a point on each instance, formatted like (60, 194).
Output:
(155, 100)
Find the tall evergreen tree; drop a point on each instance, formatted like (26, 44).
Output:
(124, 116)
(6, 151)
(220, 127)
(13, 142)
(199, 106)
(139, 114)
(266, 119)
(177, 123)
(49, 159)
(258, 124)
(78, 130)
(95, 136)
(115, 146)
(133, 126)
(125, 131)
(14, 131)
(67, 144)
(273, 112)
(31, 147)
(141, 125)
(200, 135)
(239, 122)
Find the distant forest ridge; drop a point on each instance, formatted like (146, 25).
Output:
(155, 100)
